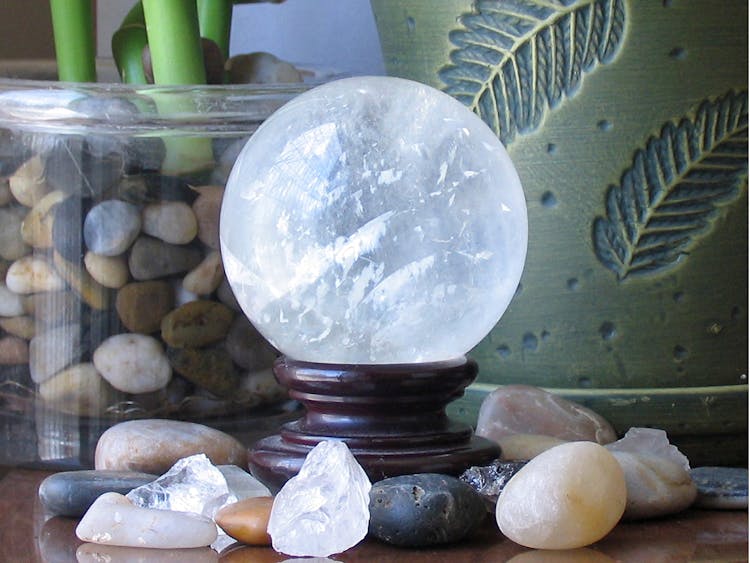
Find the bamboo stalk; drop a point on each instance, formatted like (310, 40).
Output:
(73, 29)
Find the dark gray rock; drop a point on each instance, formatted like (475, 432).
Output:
(70, 493)
(73, 165)
(151, 258)
(67, 228)
(142, 189)
(424, 509)
(489, 480)
(723, 488)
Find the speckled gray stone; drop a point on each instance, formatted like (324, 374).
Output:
(723, 488)
(111, 227)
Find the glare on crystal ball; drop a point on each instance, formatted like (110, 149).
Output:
(373, 220)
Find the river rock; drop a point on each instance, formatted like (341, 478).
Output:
(54, 350)
(226, 296)
(262, 387)
(523, 409)
(37, 226)
(424, 509)
(111, 227)
(151, 258)
(153, 187)
(721, 488)
(142, 305)
(93, 293)
(5, 194)
(85, 166)
(526, 446)
(206, 276)
(78, 390)
(247, 347)
(32, 274)
(247, 520)
(67, 228)
(23, 326)
(155, 445)
(108, 271)
(171, 221)
(112, 519)
(53, 308)
(261, 68)
(324, 509)
(28, 184)
(197, 323)
(12, 245)
(209, 368)
(133, 363)
(13, 350)
(567, 497)
(207, 208)
(71, 493)
(11, 303)
(656, 486)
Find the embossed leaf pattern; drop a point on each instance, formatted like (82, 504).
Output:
(514, 59)
(667, 199)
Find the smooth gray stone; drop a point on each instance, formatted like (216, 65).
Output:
(723, 488)
(424, 509)
(111, 227)
(71, 493)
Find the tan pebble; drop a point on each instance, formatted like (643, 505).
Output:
(247, 520)
(109, 271)
(78, 390)
(206, 276)
(12, 245)
(5, 196)
(23, 326)
(27, 184)
(37, 226)
(32, 274)
(91, 291)
(53, 307)
(567, 497)
(171, 221)
(207, 208)
(525, 446)
(13, 350)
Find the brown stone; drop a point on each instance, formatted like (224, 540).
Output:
(196, 324)
(247, 520)
(22, 326)
(209, 368)
(142, 305)
(13, 350)
(207, 208)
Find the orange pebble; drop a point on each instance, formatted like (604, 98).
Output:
(247, 520)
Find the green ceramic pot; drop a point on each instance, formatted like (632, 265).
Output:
(627, 121)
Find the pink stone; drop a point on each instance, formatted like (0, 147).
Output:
(523, 409)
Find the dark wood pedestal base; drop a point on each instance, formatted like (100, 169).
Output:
(392, 417)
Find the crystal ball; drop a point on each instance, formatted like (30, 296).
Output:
(373, 220)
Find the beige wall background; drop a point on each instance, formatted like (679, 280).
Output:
(25, 30)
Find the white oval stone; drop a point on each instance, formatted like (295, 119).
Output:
(32, 274)
(54, 350)
(109, 271)
(569, 496)
(77, 390)
(134, 363)
(154, 445)
(114, 520)
(171, 221)
(27, 184)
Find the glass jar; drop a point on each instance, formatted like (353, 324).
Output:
(113, 302)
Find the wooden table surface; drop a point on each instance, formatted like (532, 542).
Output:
(28, 535)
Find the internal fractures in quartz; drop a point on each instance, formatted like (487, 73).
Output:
(324, 509)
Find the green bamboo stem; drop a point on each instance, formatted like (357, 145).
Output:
(73, 29)
(174, 41)
(127, 49)
(215, 22)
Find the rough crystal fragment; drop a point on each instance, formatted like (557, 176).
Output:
(489, 480)
(241, 484)
(325, 508)
(193, 484)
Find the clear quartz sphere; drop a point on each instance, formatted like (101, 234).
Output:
(373, 220)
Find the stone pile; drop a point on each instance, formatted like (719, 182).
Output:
(112, 288)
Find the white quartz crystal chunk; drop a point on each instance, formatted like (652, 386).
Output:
(373, 220)
(651, 441)
(324, 509)
(112, 519)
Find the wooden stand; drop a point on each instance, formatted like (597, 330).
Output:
(392, 417)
